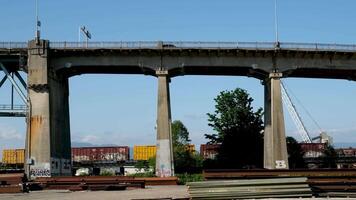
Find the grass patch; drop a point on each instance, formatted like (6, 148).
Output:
(145, 174)
(184, 178)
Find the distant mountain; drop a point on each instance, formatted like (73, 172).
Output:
(345, 145)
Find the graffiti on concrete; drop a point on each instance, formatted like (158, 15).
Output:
(40, 173)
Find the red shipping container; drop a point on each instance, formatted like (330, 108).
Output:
(120, 153)
(209, 151)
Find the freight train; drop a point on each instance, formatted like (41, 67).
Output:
(93, 155)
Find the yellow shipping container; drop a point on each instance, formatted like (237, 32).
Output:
(191, 148)
(13, 156)
(144, 152)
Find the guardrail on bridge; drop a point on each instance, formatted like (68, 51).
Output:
(189, 45)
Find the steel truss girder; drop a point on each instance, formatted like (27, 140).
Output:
(13, 110)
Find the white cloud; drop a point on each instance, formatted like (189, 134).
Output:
(9, 134)
(90, 139)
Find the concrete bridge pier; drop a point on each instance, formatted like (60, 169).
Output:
(48, 149)
(164, 154)
(275, 146)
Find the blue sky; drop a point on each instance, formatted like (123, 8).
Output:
(121, 109)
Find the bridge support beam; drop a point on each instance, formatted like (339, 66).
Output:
(48, 149)
(164, 154)
(275, 147)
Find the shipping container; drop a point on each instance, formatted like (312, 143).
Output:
(313, 150)
(209, 151)
(144, 152)
(99, 154)
(191, 148)
(13, 156)
(346, 152)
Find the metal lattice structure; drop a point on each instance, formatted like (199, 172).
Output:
(13, 110)
(294, 115)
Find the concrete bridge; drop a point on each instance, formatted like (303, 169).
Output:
(49, 65)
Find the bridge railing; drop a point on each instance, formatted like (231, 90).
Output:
(14, 107)
(103, 45)
(203, 45)
(318, 46)
(188, 45)
(165, 44)
(13, 45)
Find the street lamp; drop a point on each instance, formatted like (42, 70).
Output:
(38, 25)
(87, 34)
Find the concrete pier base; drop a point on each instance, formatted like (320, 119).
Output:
(164, 154)
(275, 147)
(48, 149)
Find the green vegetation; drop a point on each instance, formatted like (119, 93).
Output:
(329, 158)
(145, 174)
(185, 177)
(295, 154)
(239, 131)
(107, 173)
(185, 161)
(143, 165)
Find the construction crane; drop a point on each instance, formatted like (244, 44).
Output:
(323, 137)
(295, 116)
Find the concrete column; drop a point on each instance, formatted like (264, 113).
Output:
(164, 154)
(48, 149)
(275, 147)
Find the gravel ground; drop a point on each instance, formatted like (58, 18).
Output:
(150, 192)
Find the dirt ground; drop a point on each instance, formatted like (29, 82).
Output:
(150, 192)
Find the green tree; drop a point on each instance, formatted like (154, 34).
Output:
(329, 158)
(239, 130)
(184, 159)
(180, 134)
(295, 154)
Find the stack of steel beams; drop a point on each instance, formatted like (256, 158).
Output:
(250, 189)
(323, 182)
(88, 182)
(101, 182)
(333, 186)
(12, 183)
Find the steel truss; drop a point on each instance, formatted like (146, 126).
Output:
(12, 110)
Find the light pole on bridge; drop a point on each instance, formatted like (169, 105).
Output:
(86, 33)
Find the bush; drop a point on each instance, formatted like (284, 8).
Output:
(146, 174)
(184, 178)
(107, 173)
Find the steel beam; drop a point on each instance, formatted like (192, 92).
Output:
(3, 80)
(14, 84)
(21, 79)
